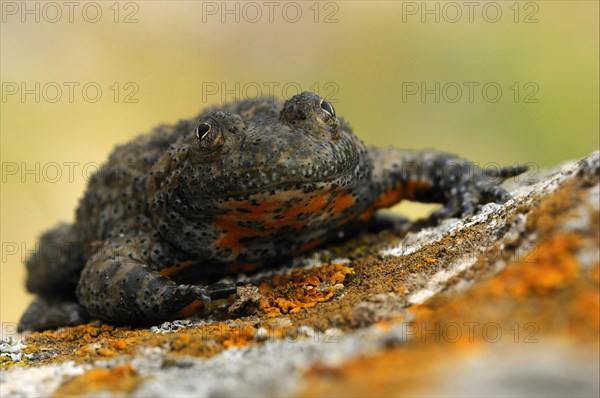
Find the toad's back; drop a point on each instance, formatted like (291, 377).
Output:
(115, 200)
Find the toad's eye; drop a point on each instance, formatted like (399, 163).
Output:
(202, 130)
(209, 135)
(327, 107)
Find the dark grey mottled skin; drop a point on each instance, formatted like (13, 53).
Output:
(235, 188)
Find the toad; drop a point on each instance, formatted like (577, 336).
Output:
(239, 187)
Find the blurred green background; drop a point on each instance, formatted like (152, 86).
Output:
(158, 61)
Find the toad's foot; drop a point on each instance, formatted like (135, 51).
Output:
(49, 314)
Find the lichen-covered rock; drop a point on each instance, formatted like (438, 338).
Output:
(505, 302)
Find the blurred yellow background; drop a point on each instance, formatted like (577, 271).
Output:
(157, 61)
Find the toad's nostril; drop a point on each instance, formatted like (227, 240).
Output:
(334, 128)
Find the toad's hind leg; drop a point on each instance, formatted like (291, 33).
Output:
(53, 270)
(52, 313)
(52, 273)
(121, 284)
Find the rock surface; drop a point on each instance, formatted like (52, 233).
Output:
(505, 303)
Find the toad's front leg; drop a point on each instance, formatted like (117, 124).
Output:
(121, 283)
(436, 177)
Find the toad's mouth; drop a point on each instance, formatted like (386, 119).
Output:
(221, 182)
(253, 187)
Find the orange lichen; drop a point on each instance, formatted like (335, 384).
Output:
(549, 267)
(543, 292)
(240, 336)
(547, 294)
(120, 379)
(94, 341)
(386, 373)
(87, 332)
(104, 352)
(290, 294)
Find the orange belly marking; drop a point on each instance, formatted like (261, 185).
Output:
(172, 270)
(395, 195)
(189, 310)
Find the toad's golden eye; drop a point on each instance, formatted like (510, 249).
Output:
(209, 137)
(202, 130)
(327, 107)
